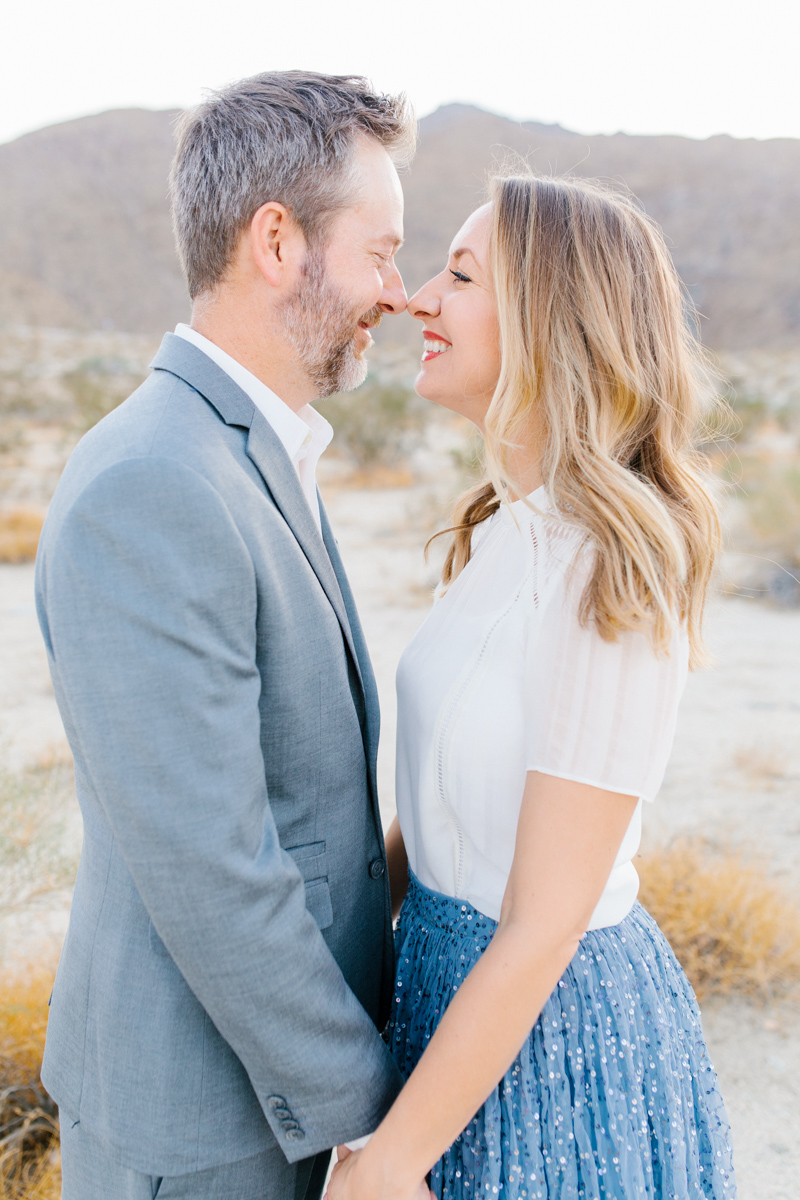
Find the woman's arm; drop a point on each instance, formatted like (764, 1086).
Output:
(397, 860)
(567, 839)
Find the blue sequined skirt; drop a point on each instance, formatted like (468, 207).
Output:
(613, 1095)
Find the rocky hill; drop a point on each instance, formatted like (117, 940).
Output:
(85, 239)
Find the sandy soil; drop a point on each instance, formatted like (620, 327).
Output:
(734, 775)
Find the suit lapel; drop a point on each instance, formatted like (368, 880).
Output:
(362, 654)
(267, 453)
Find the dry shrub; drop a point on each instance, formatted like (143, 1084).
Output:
(19, 534)
(378, 477)
(761, 765)
(53, 758)
(376, 426)
(29, 1159)
(731, 928)
(37, 861)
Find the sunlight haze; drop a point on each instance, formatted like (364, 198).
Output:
(686, 67)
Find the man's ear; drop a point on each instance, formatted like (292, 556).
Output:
(277, 242)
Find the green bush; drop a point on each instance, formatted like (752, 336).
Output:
(770, 490)
(376, 425)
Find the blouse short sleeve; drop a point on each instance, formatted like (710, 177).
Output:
(601, 713)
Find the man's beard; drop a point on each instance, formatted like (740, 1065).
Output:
(321, 326)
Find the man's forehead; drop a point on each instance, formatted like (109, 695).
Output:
(382, 224)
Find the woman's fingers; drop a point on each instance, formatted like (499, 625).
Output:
(342, 1184)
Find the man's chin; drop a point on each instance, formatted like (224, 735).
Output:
(347, 378)
(353, 371)
(352, 380)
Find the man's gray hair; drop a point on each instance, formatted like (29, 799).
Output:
(286, 136)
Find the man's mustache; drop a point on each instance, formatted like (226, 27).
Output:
(373, 318)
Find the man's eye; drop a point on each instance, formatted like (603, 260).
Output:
(460, 276)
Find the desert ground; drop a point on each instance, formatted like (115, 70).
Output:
(734, 776)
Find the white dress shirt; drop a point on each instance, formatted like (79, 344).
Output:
(304, 434)
(502, 679)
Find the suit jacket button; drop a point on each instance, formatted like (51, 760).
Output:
(276, 1102)
(283, 1113)
(289, 1124)
(294, 1135)
(377, 868)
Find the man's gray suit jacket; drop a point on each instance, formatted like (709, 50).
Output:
(229, 951)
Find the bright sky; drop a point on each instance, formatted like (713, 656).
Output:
(695, 67)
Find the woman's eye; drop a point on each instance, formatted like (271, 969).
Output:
(460, 276)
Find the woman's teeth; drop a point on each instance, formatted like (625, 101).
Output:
(434, 346)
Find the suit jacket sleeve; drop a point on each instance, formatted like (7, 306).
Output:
(150, 596)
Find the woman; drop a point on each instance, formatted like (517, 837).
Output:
(537, 707)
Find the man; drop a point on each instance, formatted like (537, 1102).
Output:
(214, 1021)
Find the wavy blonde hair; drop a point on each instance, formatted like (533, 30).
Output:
(598, 355)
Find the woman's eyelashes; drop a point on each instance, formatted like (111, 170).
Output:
(460, 276)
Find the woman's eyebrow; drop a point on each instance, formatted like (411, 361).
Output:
(457, 254)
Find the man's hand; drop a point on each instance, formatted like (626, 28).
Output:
(348, 1182)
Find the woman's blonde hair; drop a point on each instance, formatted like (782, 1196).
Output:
(598, 354)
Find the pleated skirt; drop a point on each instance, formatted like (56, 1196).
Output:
(612, 1097)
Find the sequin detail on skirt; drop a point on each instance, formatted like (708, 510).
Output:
(613, 1095)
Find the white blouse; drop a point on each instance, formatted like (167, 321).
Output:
(502, 679)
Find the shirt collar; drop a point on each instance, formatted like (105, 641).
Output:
(300, 433)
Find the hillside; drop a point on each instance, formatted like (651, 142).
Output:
(85, 237)
(85, 240)
(730, 208)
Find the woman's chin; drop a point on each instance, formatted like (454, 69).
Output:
(428, 389)
(455, 400)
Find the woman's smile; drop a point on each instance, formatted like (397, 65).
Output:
(433, 346)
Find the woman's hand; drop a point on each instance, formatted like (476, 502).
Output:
(568, 837)
(354, 1179)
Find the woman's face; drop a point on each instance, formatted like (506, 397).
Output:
(461, 356)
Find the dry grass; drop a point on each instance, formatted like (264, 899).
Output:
(37, 862)
(35, 869)
(761, 766)
(19, 534)
(29, 1159)
(53, 758)
(378, 477)
(732, 929)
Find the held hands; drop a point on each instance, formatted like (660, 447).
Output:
(352, 1180)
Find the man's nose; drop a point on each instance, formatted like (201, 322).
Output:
(393, 297)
